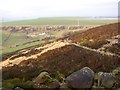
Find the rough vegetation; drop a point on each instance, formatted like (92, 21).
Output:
(15, 38)
(96, 37)
(64, 57)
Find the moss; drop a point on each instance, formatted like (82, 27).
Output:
(47, 81)
(59, 76)
(12, 83)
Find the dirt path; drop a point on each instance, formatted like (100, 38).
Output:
(30, 54)
(42, 50)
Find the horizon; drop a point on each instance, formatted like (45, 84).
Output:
(25, 9)
(111, 17)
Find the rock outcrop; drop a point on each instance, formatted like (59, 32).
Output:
(81, 79)
(106, 79)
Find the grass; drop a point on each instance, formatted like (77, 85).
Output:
(20, 38)
(15, 38)
(12, 83)
(59, 21)
(98, 36)
(10, 50)
(9, 45)
(64, 60)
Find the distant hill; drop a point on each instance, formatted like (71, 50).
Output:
(59, 21)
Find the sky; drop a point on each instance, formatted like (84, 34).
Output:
(28, 9)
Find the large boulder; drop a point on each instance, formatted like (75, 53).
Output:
(106, 79)
(81, 79)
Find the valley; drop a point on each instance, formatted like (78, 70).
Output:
(96, 47)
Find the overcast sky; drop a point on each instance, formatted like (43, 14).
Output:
(25, 9)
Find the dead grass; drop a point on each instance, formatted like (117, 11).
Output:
(65, 60)
(96, 37)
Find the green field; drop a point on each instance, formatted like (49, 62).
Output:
(59, 21)
(10, 50)
(20, 38)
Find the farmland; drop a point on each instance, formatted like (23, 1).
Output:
(18, 38)
(60, 21)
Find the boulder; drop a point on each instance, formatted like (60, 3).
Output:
(63, 85)
(54, 84)
(81, 79)
(18, 88)
(40, 79)
(106, 79)
(45, 81)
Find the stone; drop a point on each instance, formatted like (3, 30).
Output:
(18, 88)
(81, 79)
(55, 84)
(41, 76)
(40, 79)
(106, 79)
(45, 81)
(63, 85)
(115, 72)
